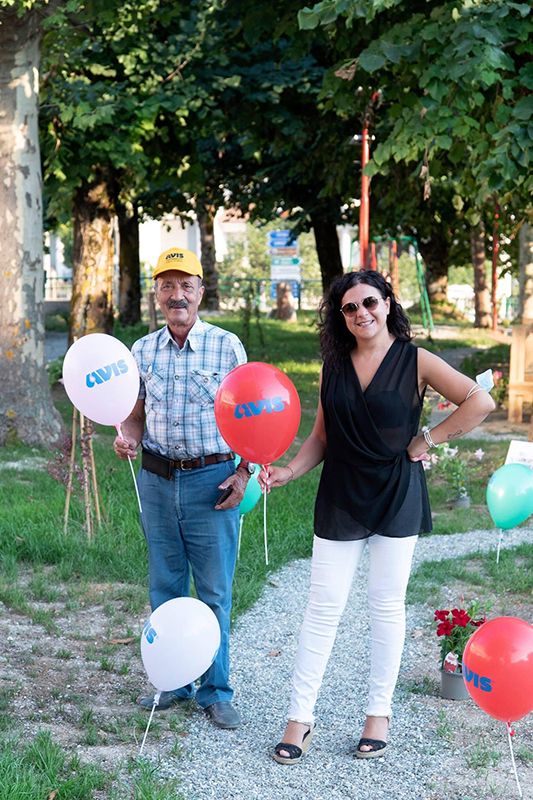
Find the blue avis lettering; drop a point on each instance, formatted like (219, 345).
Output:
(149, 633)
(105, 373)
(480, 682)
(252, 409)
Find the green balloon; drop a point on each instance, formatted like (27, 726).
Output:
(252, 493)
(510, 495)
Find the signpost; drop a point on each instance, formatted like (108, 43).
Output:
(282, 238)
(284, 253)
(284, 261)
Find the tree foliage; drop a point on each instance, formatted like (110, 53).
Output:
(457, 80)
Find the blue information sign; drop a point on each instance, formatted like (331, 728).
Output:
(295, 289)
(281, 238)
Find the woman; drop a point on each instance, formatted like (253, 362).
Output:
(372, 487)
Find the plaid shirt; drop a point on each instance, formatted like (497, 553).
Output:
(179, 388)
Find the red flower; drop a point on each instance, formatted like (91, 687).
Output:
(478, 622)
(445, 628)
(460, 618)
(441, 615)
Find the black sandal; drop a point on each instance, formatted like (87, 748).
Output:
(295, 753)
(378, 744)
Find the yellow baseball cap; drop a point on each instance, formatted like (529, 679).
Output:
(182, 260)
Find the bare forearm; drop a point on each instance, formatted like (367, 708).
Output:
(464, 419)
(311, 453)
(133, 428)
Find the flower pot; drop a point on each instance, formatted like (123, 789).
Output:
(452, 686)
(460, 502)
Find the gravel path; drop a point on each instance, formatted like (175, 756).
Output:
(55, 344)
(236, 764)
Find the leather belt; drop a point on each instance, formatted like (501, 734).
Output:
(165, 467)
(204, 461)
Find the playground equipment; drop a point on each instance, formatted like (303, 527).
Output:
(427, 318)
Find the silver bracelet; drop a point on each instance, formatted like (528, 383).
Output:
(473, 390)
(429, 441)
(292, 473)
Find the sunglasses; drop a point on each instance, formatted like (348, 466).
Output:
(350, 309)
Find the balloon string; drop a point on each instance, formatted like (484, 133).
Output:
(512, 759)
(119, 431)
(265, 467)
(241, 520)
(157, 695)
(500, 540)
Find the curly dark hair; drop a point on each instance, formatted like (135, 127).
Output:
(336, 341)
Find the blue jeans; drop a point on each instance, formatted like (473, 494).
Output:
(184, 531)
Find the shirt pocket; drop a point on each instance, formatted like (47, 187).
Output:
(155, 388)
(203, 387)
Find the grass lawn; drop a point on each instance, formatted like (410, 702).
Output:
(31, 526)
(48, 576)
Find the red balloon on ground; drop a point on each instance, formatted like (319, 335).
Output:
(257, 410)
(498, 668)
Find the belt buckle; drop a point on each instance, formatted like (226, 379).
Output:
(184, 461)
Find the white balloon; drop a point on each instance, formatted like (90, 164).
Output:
(101, 378)
(179, 642)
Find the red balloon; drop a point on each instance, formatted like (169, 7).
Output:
(498, 668)
(257, 410)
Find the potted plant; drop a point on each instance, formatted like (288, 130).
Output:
(453, 466)
(456, 627)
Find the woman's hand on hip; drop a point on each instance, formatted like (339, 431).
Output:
(418, 449)
(270, 476)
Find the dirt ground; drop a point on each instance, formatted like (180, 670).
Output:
(476, 753)
(80, 682)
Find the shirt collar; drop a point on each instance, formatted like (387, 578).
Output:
(195, 332)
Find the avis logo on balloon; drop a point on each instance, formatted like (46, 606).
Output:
(105, 373)
(149, 633)
(251, 409)
(480, 682)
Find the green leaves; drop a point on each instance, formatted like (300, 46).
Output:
(524, 108)
(456, 84)
(371, 61)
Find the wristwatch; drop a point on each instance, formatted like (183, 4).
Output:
(250, 468)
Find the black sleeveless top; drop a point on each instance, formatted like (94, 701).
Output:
(368, 483)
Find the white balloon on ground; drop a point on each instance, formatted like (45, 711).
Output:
(101, 378)
(179, 642)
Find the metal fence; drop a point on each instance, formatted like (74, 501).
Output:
(57, 288)
(234, 291)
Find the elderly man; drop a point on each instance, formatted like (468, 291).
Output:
(185, 466)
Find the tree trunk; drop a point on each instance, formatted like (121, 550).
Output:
(129, 287)
(91, 307)
(525, 272)
(436, 254)
(284, 303)
(26, 409)
(152, 311)
(206, 221)
(328, 250)
(481, 290)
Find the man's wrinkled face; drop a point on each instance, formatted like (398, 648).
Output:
(179, 295)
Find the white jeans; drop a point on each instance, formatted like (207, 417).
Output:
(333, 567)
